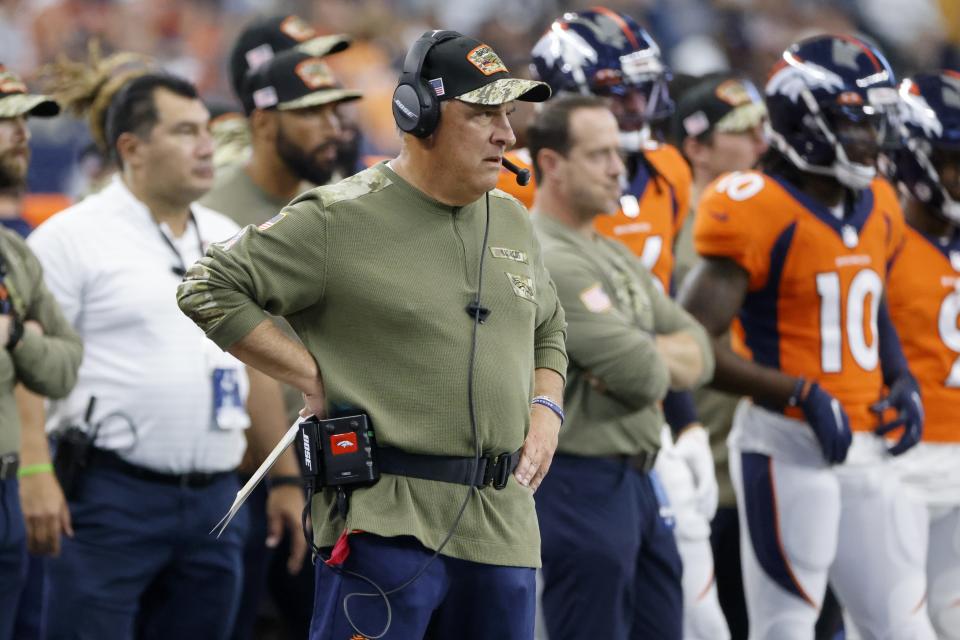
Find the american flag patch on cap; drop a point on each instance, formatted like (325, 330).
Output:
(437, 84)
(265, 98)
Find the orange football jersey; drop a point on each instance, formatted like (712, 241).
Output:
(924, 299)
(815, 281)
(652, 208)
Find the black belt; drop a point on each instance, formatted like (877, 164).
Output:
(642, 462)
(491, 470)
(9, 464)
(193, 480)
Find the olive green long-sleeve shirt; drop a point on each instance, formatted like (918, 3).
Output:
(46, 364)
(374, 277)
(613, 310)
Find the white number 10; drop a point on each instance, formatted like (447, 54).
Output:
(865, 283)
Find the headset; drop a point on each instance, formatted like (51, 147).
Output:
(416, 108)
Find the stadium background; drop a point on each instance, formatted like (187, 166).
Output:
(193, 38)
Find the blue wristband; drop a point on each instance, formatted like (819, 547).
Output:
(550, 404)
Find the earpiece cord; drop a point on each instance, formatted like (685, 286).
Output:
(379, 591)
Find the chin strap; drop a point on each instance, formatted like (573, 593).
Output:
(849, 174)
(635, 141)
(950, 208)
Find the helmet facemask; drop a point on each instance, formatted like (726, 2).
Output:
(854, 129)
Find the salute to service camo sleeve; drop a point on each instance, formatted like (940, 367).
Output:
(230, 290)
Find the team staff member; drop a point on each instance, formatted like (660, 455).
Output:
(292, 146)
(628, 344)
(256, 45)
(379, 275)
(799, 253)
(719, 128)
(924, 299)
(41, 501)
(606, 53)
(169, 412)
(41, 351)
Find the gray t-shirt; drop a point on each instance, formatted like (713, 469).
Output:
(237, 197)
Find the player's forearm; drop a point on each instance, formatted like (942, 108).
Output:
(740, 376)
(682, 354)
(267, 349)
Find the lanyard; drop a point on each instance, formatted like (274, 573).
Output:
(180, 270)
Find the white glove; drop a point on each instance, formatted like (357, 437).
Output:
(693, 447)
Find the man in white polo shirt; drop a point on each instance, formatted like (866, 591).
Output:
(165, 407)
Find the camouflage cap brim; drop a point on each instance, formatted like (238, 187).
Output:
(19, 104)
(742, 118)
(317, 98)
(325, 45)
(231, 140)
(507, 90)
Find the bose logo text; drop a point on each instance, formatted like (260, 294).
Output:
(306, 452)
(403, 109)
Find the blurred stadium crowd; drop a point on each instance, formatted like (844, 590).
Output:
(193, 38)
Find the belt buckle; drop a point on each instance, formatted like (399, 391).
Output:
(497, 471)
(193, 480)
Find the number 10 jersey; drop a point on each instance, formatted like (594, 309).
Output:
(815, 280)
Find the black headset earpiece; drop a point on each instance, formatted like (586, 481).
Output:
(416, 108)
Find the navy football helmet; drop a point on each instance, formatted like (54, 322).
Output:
(929, 125)
(827, 96)
(604, 53)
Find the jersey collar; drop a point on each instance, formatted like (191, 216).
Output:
(855, 217)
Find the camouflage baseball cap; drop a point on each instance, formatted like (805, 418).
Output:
(293, 80)
(725, 103)
(15, 101)
(264, 38)
(471, 71)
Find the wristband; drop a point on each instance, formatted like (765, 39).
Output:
(286, 481)
(16, 332)
(550, 404)
(34, 469)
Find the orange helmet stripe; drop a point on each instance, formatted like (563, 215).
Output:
(613, 15)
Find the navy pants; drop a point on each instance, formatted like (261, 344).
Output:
(725, 540)
(31, 618)
(13, 555)
(611, 568)
(143, 563)
(256, 559)
(451, 599)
